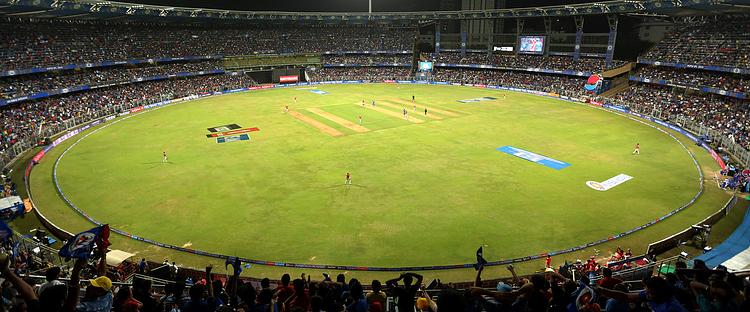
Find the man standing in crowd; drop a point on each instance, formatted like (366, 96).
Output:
(52, 276)
(405, 295)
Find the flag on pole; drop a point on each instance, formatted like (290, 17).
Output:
(480, 259)
(81, 245)
(236, 264)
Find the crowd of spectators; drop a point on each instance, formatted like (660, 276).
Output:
(720, 41)
(695, 77)
(16, 86)
(360, 73)
(522, 61)
(727, 115)
(560, 84)
(90, 286)
(40, 43)
(32, 121)
(363, 59)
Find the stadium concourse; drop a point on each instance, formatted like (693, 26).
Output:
(181, 61)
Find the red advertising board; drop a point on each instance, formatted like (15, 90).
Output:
(291, 78)
(136, 109)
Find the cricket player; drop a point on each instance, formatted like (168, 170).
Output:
(164, 157)
(360, 120)
(286, 109)
(637, 150)
(348, 180)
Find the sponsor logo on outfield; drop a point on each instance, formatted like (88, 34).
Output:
(610, 183)
(534, 157)
(474, 100)
(320, 92)
(233, 138)
(231, 132)
(224, 128)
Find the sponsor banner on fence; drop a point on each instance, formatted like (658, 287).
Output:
(734, 70)
(609, 183)
(290, 78)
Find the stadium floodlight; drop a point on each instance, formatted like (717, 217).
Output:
(165, 11)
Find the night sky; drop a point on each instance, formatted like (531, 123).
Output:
(338, 5)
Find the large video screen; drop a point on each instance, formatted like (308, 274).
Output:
(425, 66)
(531, 44)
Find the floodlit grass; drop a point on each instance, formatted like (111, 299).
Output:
(423, 194)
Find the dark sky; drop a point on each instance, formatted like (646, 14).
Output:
(338, 5)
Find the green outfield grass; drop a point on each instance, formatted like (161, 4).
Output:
(423, 194)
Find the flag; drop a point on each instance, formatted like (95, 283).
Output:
(235, 262)
(5, 231)
(480, 258)
(81, 245)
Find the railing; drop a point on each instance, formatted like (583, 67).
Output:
(719, 138)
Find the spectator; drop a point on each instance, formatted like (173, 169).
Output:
(607, 280)
(124, 301)
(376, 295)
(52, 275)
(657, 296)
(405, 294)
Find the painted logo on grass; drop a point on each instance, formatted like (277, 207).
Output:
(233, 138)
(534, 157)
(474, 100)
(320, 92)
(609, 183)
(224, 128)
(230, 133)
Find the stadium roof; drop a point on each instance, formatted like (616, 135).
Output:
(112, 10)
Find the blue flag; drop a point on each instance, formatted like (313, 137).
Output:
(5, 231)
(235, 262)
(480, 258)
(81, 245)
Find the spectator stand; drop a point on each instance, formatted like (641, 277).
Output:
(724, 84)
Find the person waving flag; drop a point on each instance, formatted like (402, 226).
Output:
(80, 245)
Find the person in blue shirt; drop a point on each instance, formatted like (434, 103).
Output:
(657, 296)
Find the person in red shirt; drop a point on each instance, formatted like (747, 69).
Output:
(548, 262)
(284, 291)
(300, 298)
(607, 280)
